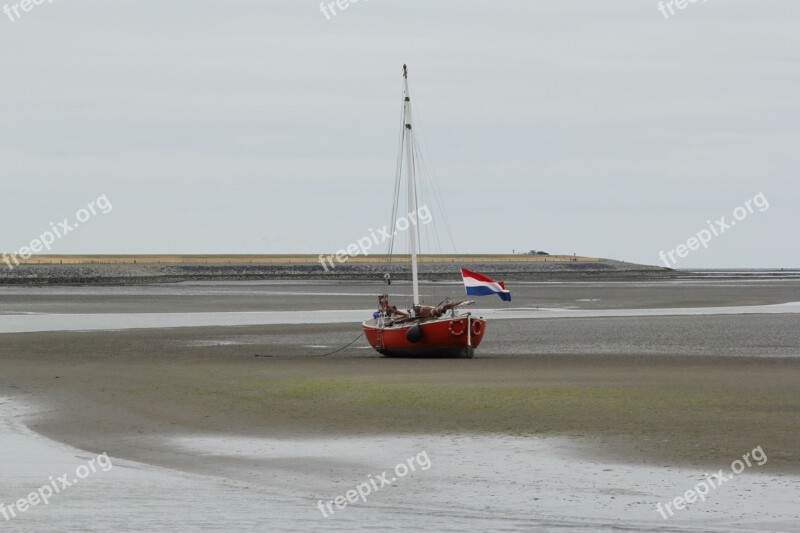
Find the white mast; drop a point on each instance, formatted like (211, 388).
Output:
(412, 197)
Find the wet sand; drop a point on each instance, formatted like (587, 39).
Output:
(461, 483)
(105, 387)
(663, 392)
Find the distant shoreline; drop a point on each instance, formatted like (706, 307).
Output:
(148, 269)
(142, 269)
(241, 259)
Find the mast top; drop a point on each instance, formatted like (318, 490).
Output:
(405, 70)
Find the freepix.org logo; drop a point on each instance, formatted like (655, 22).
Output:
(56, 485)
(13, 11)
(45, 241)
(720, 226)
(329, 9)
(713, 481)
(363, 245)
(670, 5)
(374, 484)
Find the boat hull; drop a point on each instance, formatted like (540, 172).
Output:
(444, 337)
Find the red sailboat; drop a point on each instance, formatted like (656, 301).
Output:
(423, 330)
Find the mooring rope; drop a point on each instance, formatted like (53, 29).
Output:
(321, 354)
(340, 349)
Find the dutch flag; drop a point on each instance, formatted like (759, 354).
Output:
(480, 285)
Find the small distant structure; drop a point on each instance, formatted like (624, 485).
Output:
(537, 252)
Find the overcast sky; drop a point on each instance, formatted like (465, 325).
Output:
(597, 128)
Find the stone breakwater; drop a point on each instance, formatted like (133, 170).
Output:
(124, 274)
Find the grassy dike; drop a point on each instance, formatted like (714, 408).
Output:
(245, 259)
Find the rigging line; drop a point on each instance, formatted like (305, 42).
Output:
(427, 185)
(437, 197)
(410, 145)
(420, 191)
(398, 176)
(394, 192)
(434, 187)
(417, 190)
(400, 169)
(446, 219)
(415, 155)
(428, 188)
(425, 179)
(395, 201)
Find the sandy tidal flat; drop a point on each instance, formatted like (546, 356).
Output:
(622, 397)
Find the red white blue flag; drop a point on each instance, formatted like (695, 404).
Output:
(479, 285)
